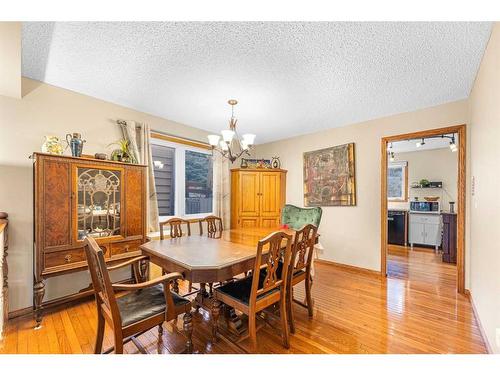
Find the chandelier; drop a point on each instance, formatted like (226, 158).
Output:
(231, 146)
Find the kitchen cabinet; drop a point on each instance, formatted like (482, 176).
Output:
(425, 229)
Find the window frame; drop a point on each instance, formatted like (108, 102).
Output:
(404, 181)
(180, 178)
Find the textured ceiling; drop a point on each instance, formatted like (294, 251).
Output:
(290, 78)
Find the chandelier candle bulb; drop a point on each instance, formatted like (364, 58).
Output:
(227, 135)
(213, 139)
(249, 139)
(223, 145)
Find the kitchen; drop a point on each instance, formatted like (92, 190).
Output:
(422, 188)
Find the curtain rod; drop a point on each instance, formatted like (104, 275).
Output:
(124, 123)
(180, 138)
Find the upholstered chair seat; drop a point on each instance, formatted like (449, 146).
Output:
(296, 217)
(240, 289)
(145, 303)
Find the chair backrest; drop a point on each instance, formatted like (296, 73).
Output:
(303, 248)
(279, 247)
(175, 227)
(213, 230)
(101, 282)
(296, 217)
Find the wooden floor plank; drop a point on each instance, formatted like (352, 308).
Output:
(415, 310)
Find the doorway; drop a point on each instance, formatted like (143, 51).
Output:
(401, 171)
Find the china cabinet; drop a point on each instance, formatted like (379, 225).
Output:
(75, 198)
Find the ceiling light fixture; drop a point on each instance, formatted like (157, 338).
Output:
(231, 146)
(453, 145)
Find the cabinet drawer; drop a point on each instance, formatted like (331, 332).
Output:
(65, 258)
(123, 249)
(425, 219)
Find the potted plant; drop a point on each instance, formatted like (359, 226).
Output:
(123, 153)
(424, 183)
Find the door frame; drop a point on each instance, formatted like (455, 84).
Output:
(461, 191)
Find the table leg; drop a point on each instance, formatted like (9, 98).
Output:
(215, 317)
(188, 331)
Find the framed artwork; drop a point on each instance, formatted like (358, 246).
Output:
(329, 177)
(397, 182)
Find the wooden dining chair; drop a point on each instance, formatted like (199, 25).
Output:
(147, 305)
(214, 226)
(265, 287)
(300, 269)
(175, 225)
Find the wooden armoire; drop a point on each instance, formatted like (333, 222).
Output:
(257, 197)
(79, 197)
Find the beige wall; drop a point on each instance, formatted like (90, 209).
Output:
(43, 110)
(351, 235)
(10, 59)
(485, 202)
(433, 165)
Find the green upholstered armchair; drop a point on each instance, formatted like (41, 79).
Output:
(296, 217)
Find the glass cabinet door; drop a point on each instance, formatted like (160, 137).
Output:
(98, 205)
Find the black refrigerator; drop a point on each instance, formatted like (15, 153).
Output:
(396, 227)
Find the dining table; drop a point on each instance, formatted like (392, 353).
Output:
(209, 260)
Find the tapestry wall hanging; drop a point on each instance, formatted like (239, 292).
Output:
(329, 178)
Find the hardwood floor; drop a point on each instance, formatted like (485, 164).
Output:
(415, 311)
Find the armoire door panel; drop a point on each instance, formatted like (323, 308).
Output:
(249, 190)
(269, 222)
(249, 222)
(270, 194)
(56, 210)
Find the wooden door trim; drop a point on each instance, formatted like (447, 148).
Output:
(461, 191)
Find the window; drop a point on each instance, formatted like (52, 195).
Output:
(397, 182)
(199, 174)
(183, 179)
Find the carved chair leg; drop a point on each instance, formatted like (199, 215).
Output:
(100, 332)
(188, 331)
(252, 331)
(289, 308)
(160, 330)
(118, 342)
(284, 322)
(215, 317)
(38, 293)
(309, 296)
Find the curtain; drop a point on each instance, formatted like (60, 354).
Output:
(222, 189)
(139, 137)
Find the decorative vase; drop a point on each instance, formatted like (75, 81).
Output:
(75, 143)
(52, 145)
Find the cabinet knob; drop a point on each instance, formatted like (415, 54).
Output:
(67, 258)
(126, 247)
